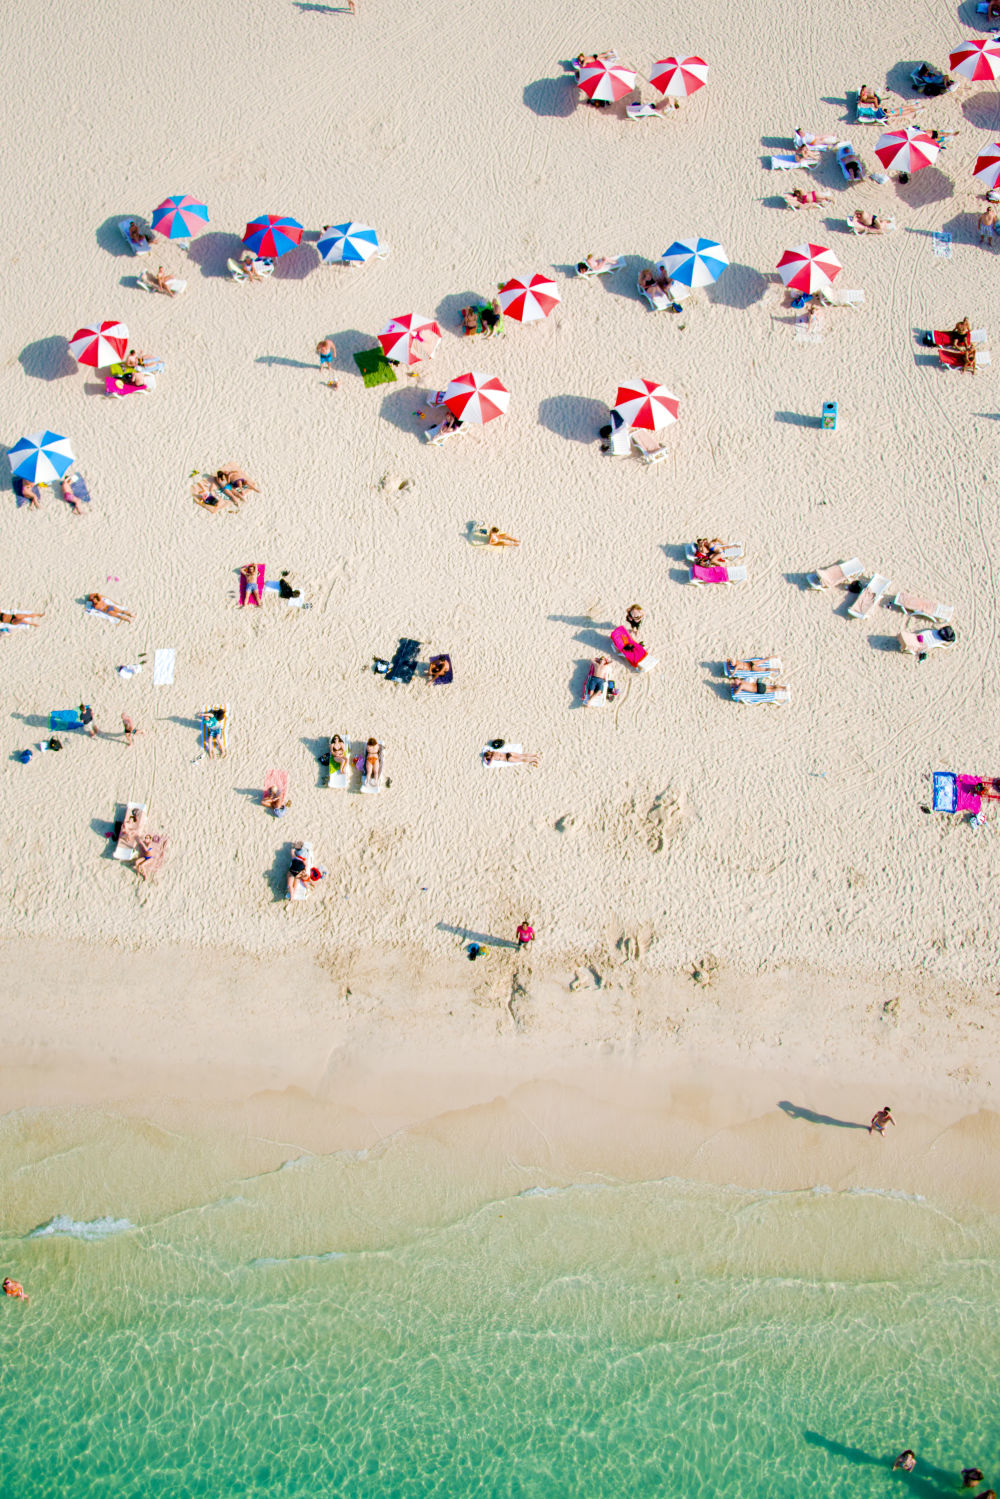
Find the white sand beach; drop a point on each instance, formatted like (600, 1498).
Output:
(780, 854)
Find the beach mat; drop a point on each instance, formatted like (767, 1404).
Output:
(163, 667)
(375, 368)
(243, 586)
(64, 718)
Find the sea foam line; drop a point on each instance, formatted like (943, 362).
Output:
(91, 1230)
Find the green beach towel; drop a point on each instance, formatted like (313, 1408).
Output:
(375, 368)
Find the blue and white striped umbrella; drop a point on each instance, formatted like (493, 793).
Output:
(694, 262)
(351, 242)
(41, 457)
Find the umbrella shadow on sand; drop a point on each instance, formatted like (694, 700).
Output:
(930, 185)
(448, 311)
(47, 358)
(296, 265)
(577, 418)
(209, 252)
(399, 408)
(739, 286)
(551, 98)
(983, 110)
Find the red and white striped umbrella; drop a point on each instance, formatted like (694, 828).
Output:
(906, 150)
(808, 267)
(526, 301)
(101, 345)
(677, 77)
(987, 167)
(476, 398)
(977, 60)
(646, 403)
(407, 339)
(606, 81)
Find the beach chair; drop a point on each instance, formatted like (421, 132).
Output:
(919, 642)
(785, 161)
(641, 111)
(868, 114)
(924, 608)
(763, 690)
(598, 690)
(701, 575)
(649, 452)
(847, 156)
(147, 281)
(837, 576)
(954, 359)
(615, 264)
(619, 439)
(116, 387)
(655, 296)
(154, 848)
(869, 597)
(829, 296)
(123, 226)
(731, 550)
(751, 670)
(439, 435)
(130, 830)
(632, 651)
(262, 265)
(338, 780)
(374, 787)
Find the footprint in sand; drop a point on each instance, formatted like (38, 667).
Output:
(565, 823)
(662, 820)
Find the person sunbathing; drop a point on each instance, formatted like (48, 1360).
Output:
(205, 492)
(810, 199)
(868, 96)
(438, 669)
(249, 263)
(160, 281)
(21, 619)
(961, 335)
(851, 164)
(491, 317)
(339, 756)
(599, 682)
(868, 223)
(596, 265)
(251, 580)
(235, 479)
(965, 359)
(511, 757)
(710, 553)
(647, 281)
(373, 763)
(138, 237)
(277, 800)
(298, 871)
(500, 539)
(29, 492)
(66, 485)
(101, 605)
(470, 322)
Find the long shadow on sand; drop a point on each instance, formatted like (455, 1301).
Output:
(923, 1483)
(796, 1111)
(47, 358)
(485, 939)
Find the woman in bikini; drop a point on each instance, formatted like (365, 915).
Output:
(21, 619)
(339, 756)
(72, 500)
(102, 605)
(373, 762)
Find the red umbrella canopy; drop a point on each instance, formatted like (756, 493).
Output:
(978, 60)
(987, 167)
(646, 403)
(526, 301)
(808, 267)
(677, 77)
(906, 150)
(409, 338)
(605, 81)
(101, 344)
(476, 398)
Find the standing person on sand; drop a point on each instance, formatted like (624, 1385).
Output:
(880, 1120)
(87, 723)
(327, 349)
(525, 934)
(129, 729)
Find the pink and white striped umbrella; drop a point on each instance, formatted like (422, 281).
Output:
(100, 345)
(978, 60)
(476, 398)
(526, 301)
(677, 77)
(606, 81)
(987, 167)
(808, 267)
(906, 150)
(409, 338)
(646, 403)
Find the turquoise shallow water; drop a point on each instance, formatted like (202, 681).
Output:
(370, 1325)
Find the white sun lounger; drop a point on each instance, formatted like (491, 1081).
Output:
(866, 601)
(732, 551)
(620, 442)
(132, 825)
(649, 452)
(924, 608)
(123, 226)
(616, 263)
(643, 112)
(437, 436)
(830, 296)
(505, 748)
(655, 296)
(785, 162)
(837, 576)
(339, 779)
(919, 642)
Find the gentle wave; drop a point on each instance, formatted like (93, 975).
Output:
(95, 1228)
(297, 1259)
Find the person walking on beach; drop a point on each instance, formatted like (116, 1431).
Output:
(906, 1460)
(525, 934)
(880, 1120)
(14, 1288)
(129, 729)
(987, 225)
(87, 723)
(327, 349)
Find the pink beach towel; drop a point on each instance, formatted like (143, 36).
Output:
(701, 574)
(633, 652)
(966, 799)
(276, 780)
(243, 586)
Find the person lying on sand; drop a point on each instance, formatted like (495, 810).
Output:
(205, 492)
(21, 619)
(810, 199)
(66, 486)
(500, 539)
(249, 574)
(29, 492)
(868, 223)
(101, 605)
(235, 480)
(278, 801)
(510, 757)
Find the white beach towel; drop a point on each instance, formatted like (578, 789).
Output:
(806, 332)
(515, 749)
(163, 667)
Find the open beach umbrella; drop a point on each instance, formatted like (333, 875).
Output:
(526, 301)
(677, 77)
(906, 150)
(409, 338)
(100, 345)
(808, 267)
(606, 81)
(41, 457)
(694, 262)
(978, 60)
(272, 234)
(476, 398)
(179, 217)
(987, 167)
(350, 242)
(646, 403)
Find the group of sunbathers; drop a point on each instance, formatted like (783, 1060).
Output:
(587, 60)
(651, 282)
(485, 319)
(955, 346)
(232, 484)
(29, 491)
